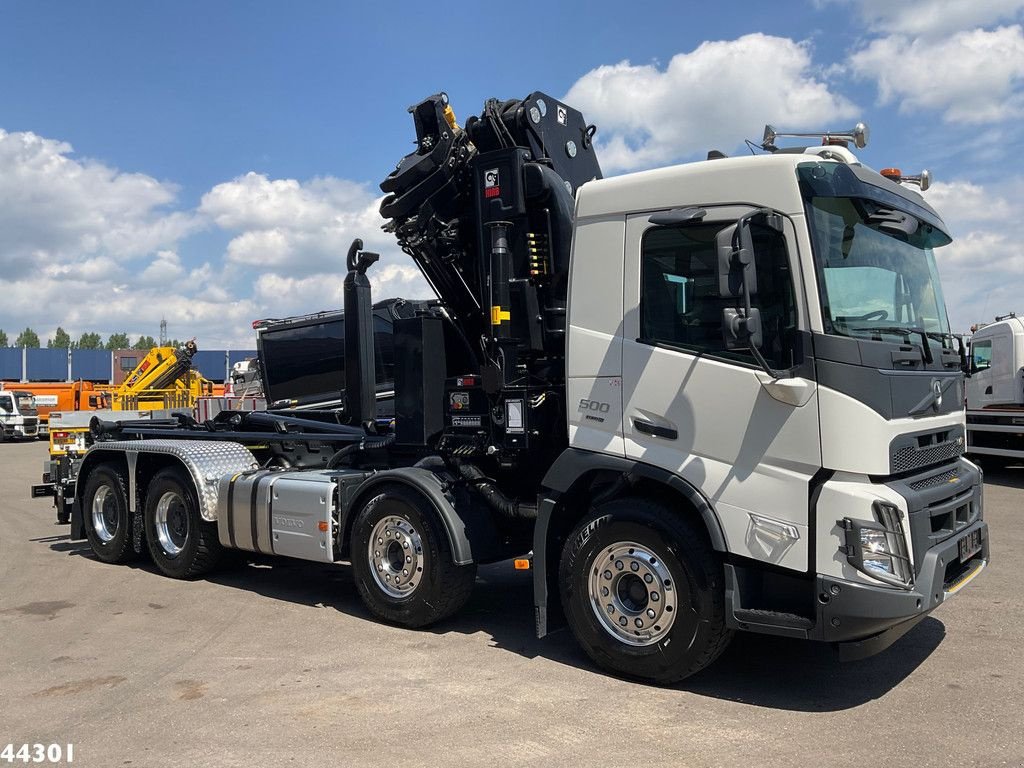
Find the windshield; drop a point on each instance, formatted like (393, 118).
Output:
(26, 402)
(876, 271)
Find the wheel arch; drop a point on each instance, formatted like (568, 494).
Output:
(437, 493)
(580, 479)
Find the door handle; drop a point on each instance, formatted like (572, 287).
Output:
(656, 430)
(988, 390)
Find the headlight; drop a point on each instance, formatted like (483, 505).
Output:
(879, 549)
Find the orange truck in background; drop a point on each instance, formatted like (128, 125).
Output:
(61, 396)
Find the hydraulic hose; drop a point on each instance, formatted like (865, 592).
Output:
(363, 445)
(514, 510)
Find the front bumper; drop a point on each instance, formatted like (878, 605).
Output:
(865, 619)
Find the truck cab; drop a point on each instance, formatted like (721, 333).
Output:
(18, 416)
(995, 391)
(997, 370)
(826, 451)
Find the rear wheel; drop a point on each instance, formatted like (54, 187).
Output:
(182, 544)
(643, 592)
(108, 526)
(402, 561)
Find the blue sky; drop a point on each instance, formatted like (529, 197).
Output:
(210, 161)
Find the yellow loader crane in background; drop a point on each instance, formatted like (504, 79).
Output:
(164, 379)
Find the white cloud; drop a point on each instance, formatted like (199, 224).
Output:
(971, 77)
(292, 237)
(931, 17)
(283, 223)
(982, 270)
(284, 295)
(81, 305)
(969, 203)
(92, 248)
(164, 268)
(709, 98)
(55, 209)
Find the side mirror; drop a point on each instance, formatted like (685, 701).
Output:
(737, 278)
(736, 268)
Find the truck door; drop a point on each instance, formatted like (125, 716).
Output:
(708, 414)
(1004, 374)
(980, 390)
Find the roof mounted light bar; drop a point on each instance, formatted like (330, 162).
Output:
(859, 135)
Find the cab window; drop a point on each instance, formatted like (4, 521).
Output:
(981, 353)
(679, 301)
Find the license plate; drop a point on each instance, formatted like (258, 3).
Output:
(970, 545)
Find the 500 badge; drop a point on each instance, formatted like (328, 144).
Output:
(593, 410)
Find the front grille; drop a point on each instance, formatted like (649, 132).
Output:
(923, 449)
(31, 421)
(950, 476)
(940, 505)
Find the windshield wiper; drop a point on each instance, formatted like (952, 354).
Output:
(926, 348)
(942, 338)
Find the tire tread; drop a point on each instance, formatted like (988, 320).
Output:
(455, 581)
(685, 537)
(208, 549)
(125, 552)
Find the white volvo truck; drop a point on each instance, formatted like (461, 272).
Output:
(995, 391)
(715, 397)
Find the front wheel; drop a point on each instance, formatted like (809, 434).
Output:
(182, 544)
(402, 561)
(642, 591)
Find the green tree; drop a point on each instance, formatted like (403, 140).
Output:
(145, 342)
(3, 339)
(27, 338)
(118, 341)
(90, 341)
(60, 340)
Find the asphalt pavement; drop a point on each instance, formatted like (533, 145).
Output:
(275, 662)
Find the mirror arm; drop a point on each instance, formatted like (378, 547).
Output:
(744, 256)
(966, 366)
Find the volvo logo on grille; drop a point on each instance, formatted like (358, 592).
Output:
(937, 393)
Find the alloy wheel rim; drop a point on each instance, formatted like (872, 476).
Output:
(395, 553)
(104, 514)
(172, 526)
(632, 593)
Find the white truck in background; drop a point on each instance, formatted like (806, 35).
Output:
(995, 390)
(18, 416)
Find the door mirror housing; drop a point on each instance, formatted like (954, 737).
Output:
(737, 278)
(736, 267)
(737, 272)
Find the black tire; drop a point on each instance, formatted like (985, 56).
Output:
(182, 544)
(108, 525)
(643, 538)
(435, 586)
